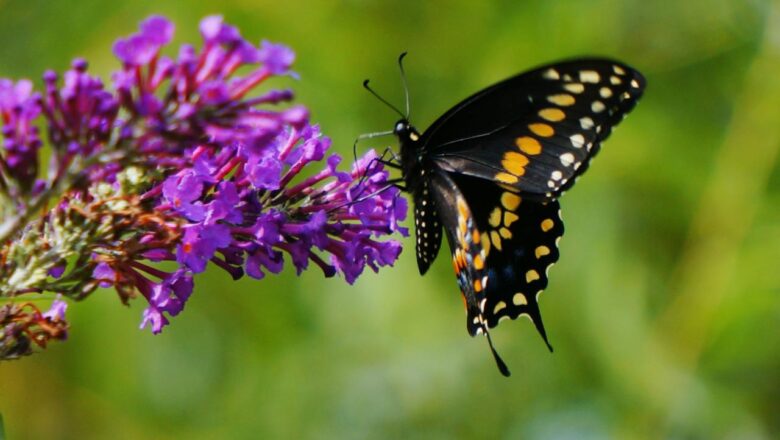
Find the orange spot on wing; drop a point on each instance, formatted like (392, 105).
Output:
(479, 264)
(528, 145)
(510, 200)
(463, 208)
(542, 130)
(552, 114)
(506, 178)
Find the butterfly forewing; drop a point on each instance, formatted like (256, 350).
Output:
(537, 131)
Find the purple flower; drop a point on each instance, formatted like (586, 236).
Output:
(276, 57)
(199, 243)
(226, 176)
(226, 205)
(142, 48)
(154, 317)
(264, 172)
(57, 310)
(172, 293)
(19, 107)
(104, 274)
(183, 191)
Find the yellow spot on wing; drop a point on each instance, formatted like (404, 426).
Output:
(519, 299)
(506, 233)
(509, 218)
(495, 239)
(531, 275)
(590, 76)
(479, 264)
(506, 178)
(514, 163)
(510, 201)
(499, 306)
(542, 130)
(495, 217)
(541, 251)
(562, 99)
(528, 145)
(547, 224)
(574, 87)
(463, 208)
(461, 259)
(463, 228)
(552, 114)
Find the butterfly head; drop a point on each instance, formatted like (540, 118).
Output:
(405, 131)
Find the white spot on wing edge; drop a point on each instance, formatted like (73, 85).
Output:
(577, 140)
(551, 74)
(567, 159)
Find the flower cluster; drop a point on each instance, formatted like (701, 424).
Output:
(22, 325)
(190, 160)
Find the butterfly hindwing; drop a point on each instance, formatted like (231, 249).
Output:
(537, 131)
(469, 247)
(523, 235)
(501, 248)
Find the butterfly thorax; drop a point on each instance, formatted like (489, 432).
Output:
(411, 153)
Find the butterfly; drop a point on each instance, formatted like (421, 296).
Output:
(488, 174)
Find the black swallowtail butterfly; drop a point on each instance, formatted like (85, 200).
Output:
(490, 172)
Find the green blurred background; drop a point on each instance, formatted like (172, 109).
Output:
(663, 310)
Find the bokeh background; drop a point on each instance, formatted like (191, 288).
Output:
(664, 309)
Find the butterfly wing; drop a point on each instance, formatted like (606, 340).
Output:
(501, 248)
(537, 131)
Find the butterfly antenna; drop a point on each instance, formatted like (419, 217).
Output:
(365, 84)
(405, 83)
(499, 362)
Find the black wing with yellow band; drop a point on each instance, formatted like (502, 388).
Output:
(522, 237)
(536, 132)
(502, 247)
